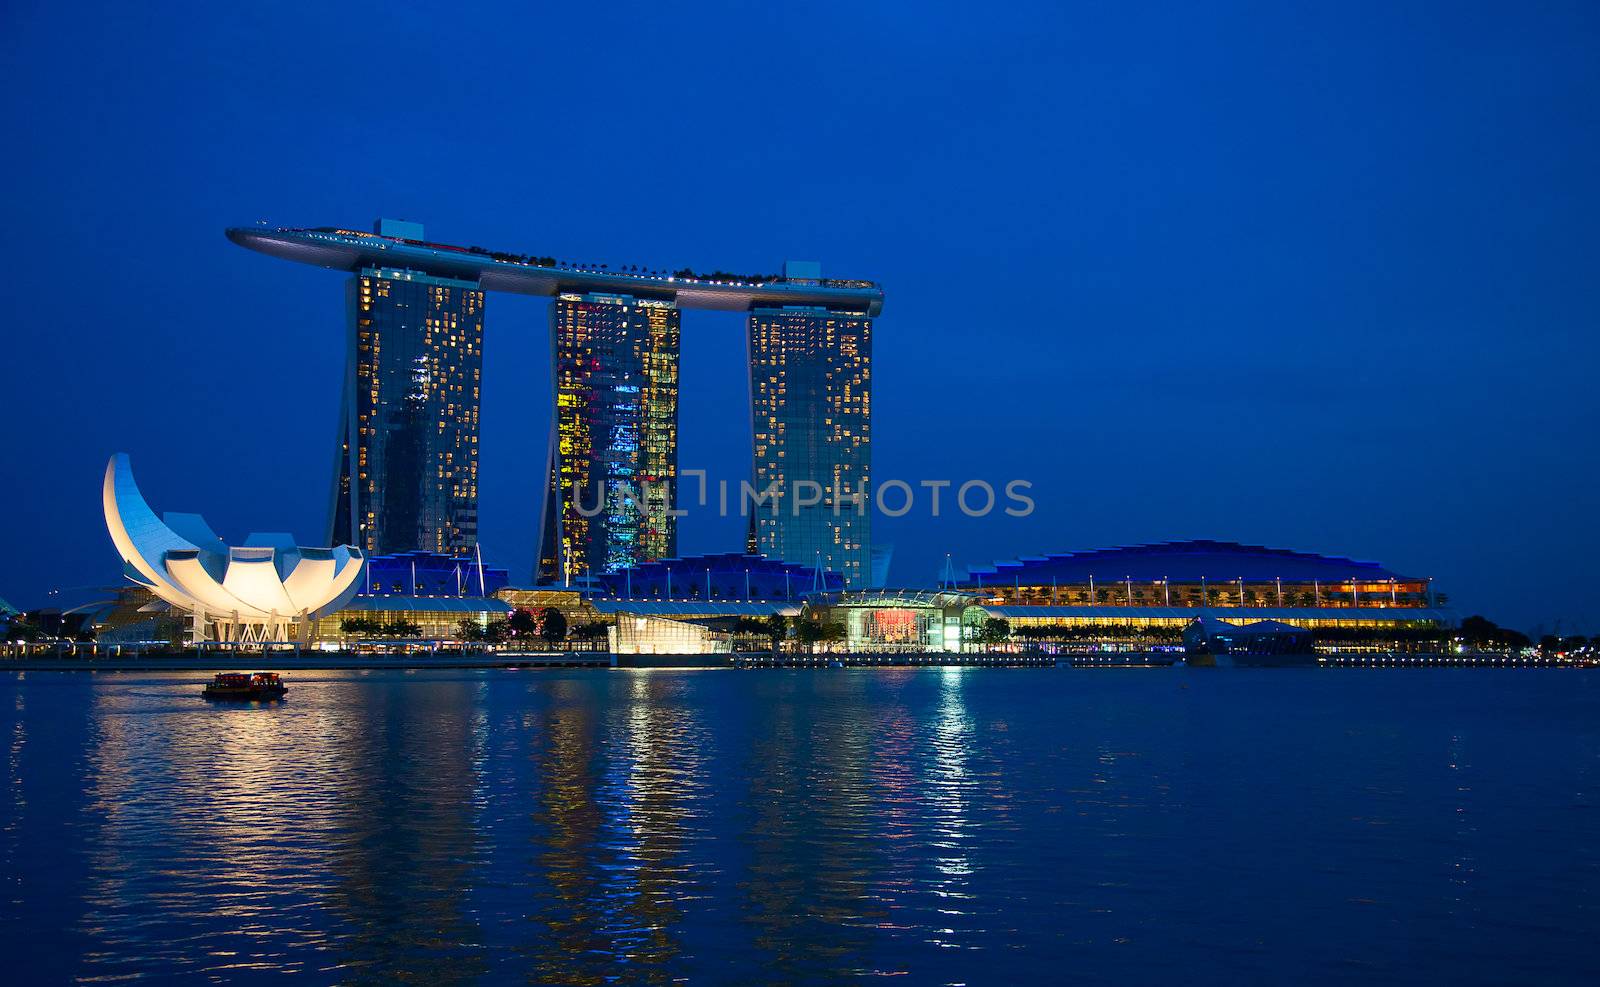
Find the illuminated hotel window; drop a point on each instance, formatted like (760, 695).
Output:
(817, 428)
(405, 421)
(616, 405)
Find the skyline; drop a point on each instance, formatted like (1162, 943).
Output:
(1354, 322)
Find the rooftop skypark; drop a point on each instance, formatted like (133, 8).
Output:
(401, 245)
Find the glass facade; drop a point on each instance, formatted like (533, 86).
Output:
(895, 620)
(811, 407)
(434, 621)
(407, 475)
(614, 451)
(635, 635)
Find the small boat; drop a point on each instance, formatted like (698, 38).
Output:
(245, 686)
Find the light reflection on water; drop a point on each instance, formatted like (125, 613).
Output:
(952, 826)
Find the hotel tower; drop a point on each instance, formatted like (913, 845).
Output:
(811, 410)
(614, 437)
(407, 474)
(407, 471)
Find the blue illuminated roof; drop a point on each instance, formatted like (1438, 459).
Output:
(1186, 561)
(420, 573)
(732, 571)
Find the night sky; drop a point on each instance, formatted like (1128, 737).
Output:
(1317, 277)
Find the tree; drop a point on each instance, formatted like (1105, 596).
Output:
(552, 625)
(373, 627)
(752, 626)
(813, 632)
(777, 629)
(807, 633)
(404, 628)
(993, 630)
(359, 626)
(490, 632)
(1477, 630)
(1481, 632)
(522, 623)
(23, 629)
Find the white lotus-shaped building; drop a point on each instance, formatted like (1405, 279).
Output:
(267, 589)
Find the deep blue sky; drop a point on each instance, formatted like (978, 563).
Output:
(1320, 277)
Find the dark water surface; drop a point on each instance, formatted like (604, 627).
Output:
(977, 826)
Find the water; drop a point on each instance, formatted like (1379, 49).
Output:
(977, 826)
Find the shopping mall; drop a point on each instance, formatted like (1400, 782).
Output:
(1119, 598)
(1169, 583)
(189, 585)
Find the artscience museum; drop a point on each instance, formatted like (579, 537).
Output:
(268, 589)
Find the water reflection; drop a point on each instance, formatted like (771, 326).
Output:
(946, 826)
(647, 795)
(948, 786)
(404, 832)
(618, 776)
(810, 894)
(332, 832)
(16, 746)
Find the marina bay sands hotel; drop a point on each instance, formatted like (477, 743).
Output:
(407, 471)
